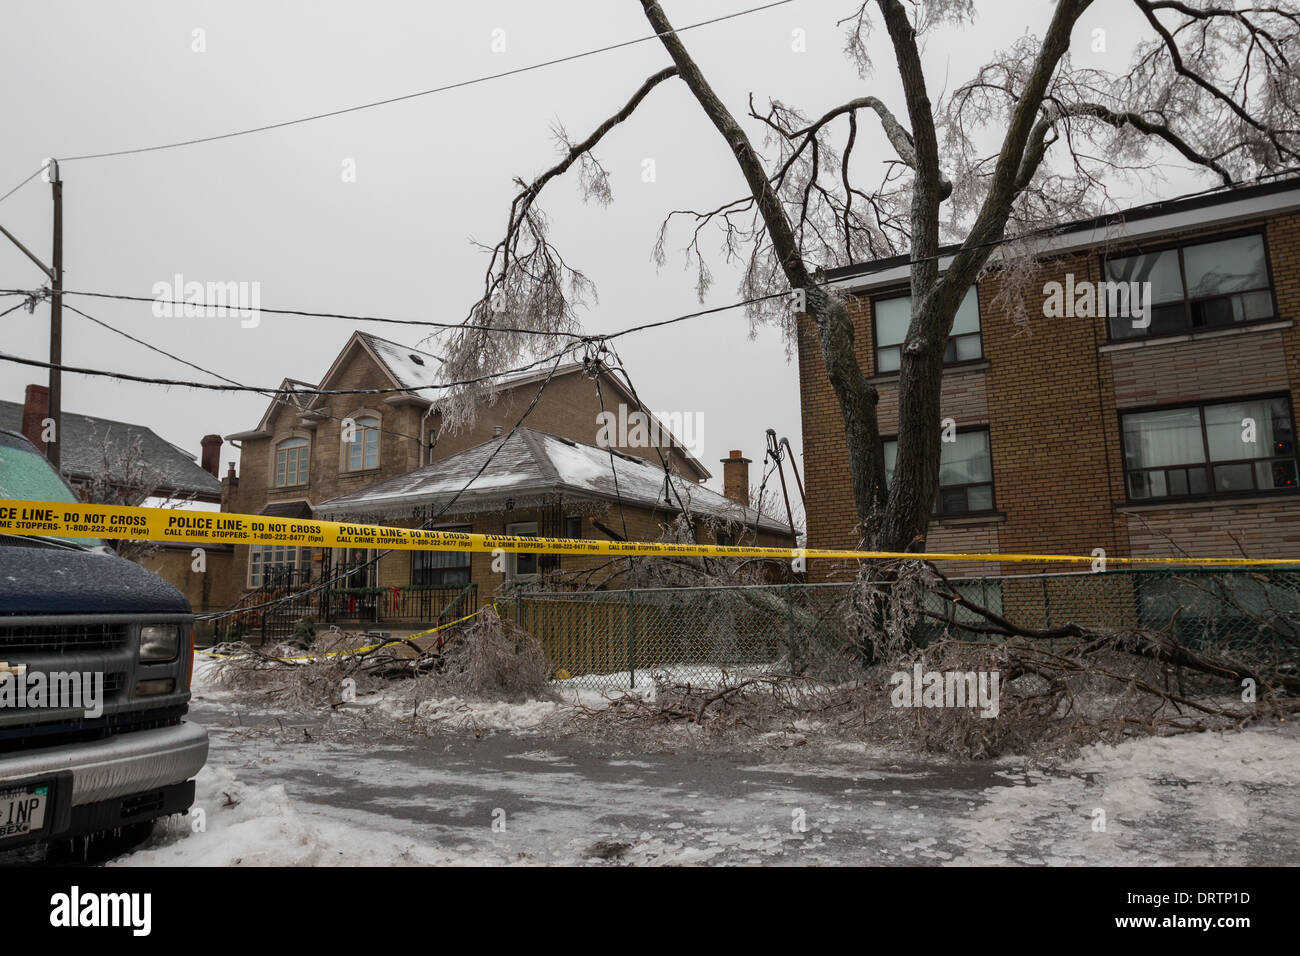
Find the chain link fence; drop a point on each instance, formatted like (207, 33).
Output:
(619, 639)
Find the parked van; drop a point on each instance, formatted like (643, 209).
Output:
(95, 664)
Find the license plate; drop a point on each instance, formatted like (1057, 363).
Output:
(22, 811)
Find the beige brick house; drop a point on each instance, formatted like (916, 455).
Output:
(296, 459)
(1084, 432)
(533, 483)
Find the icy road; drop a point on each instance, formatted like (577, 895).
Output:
(275, 792)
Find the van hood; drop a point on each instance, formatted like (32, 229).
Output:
(38, 580)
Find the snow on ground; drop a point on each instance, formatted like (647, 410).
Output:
(1197, 798)
(1194, 799)
(250, 826)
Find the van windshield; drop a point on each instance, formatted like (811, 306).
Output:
(26, 476)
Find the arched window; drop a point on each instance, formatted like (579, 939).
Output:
(291, 457)
(363, 451)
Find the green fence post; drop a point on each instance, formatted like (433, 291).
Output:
(789, 626)
(631, 639)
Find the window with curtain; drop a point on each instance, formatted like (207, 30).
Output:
(291, 457)
(965, 473)
(363, 450)
(1200, 286)
(1196, 451)
(893, 315)
(442, 569)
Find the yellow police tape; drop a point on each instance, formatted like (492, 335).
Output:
(61, 520)
(369, 647)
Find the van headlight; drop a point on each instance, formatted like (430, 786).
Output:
(159, 642)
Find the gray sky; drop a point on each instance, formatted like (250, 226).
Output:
(272, 208)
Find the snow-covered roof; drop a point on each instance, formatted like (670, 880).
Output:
(410, 368)
(86, 439)
(531, 465)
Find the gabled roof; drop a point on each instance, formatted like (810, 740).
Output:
(405, 367)
(421, 372)
(85, 437)
(287, 392)
(531, 466)
(408, 367)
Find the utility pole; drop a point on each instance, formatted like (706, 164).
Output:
(55, 275)
(52, 452)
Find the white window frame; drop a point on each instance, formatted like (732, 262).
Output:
(257, 564)
(302, 456)
(526, 528)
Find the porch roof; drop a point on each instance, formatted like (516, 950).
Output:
(529, 465)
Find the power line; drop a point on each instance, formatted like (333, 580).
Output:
(262, 389)
(556, 333)
(207, 371)
(438, 89)
(577, 336)
(581, 337)
(39, 170)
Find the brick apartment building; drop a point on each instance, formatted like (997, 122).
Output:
(296, 464)
(1081, 433)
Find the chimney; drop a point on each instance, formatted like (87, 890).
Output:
(228, 486)
(36, 408)
(211, 459)
(735, 478)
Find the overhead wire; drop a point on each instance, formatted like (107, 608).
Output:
(275, 397)
(38, 171)
(460, 84)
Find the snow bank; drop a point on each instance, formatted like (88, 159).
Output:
(246, 826)
(1198, 798)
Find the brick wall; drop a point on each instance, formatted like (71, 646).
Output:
(1051, 391)
(205, 591)
(1237, 363)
